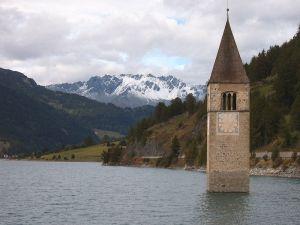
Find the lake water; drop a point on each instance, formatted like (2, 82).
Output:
(88, 193)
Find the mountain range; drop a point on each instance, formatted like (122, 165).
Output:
(36, 119)
(127, 90)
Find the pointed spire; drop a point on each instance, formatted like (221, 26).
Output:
(228, 67)
(227, 14)
(227, 10)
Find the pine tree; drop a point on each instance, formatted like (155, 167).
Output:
(105, 139)
(190, 104)
(176, 107)
(202, 157)
(175, 147)
(88, 141)
(161, 113)
(295, 113)
(191, 152)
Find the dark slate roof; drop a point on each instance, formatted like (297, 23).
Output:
(228, 67)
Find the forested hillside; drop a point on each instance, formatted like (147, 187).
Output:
(172, 131)
(275, 95)
(35, 119)
(275, 111)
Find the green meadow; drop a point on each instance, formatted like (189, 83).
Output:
(84, 154)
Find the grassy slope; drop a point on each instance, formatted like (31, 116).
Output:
(181, 126)
(85, 154)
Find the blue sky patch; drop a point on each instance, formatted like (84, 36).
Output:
(179, 21)
(157, 58)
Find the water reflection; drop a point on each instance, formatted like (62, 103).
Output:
(223, 208)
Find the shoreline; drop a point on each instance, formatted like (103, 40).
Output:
(291, 172)
(259, 172)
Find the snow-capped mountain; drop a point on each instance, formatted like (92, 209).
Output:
(128, 90)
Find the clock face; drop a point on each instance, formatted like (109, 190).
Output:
(228, 123)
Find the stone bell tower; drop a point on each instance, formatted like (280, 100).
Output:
(228, 120)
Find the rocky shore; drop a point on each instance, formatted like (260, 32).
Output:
(291, 172)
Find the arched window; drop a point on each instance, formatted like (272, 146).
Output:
(224, 101)
(229, 101)
(234, 101)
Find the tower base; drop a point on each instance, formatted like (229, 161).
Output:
(234, 181)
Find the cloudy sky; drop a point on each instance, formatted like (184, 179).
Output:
(69, 40)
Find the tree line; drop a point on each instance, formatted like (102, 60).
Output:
(162, 113)
(275, 94)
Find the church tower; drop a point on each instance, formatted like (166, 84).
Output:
(228, 120)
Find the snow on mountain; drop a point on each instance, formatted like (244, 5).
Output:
(127, 90)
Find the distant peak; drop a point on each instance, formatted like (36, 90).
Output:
(150, 75)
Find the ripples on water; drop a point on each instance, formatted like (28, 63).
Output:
(88, 193)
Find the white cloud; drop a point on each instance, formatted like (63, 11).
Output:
(63, 41)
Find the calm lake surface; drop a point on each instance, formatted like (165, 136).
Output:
(88, 193)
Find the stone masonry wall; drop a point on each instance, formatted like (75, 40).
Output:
(228, 141)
